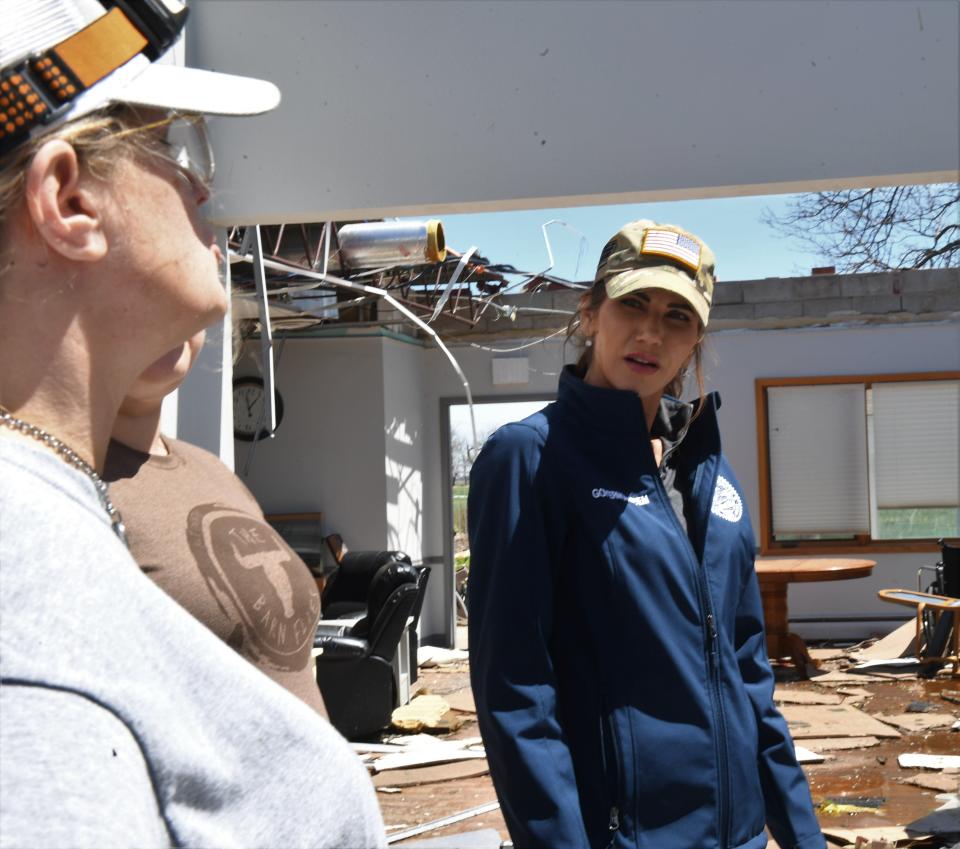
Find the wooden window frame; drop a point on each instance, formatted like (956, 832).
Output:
(862, 543)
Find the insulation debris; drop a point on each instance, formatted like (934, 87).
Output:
(430, 712)
(918, 760)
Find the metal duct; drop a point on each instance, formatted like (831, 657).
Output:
(381, 244)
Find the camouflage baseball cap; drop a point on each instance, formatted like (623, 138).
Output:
(647, 255)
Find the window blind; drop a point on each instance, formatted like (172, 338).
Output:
(917, 444)
(818, 459)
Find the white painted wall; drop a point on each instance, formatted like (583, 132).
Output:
(418, 106)
(328, 453)
(404, 445)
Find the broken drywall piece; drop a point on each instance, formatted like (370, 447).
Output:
(804, 697)
(887, 663)
(427, 757)
(805, 756)
(443, 822)
(900, 642)
(432, 774)
(919, 760)
(428, 656)
(934, 781)
(833, 721)
(837, 743)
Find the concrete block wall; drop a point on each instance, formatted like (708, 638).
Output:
(779, 302)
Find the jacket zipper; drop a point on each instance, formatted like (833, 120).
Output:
(712, 659)
(607, 730)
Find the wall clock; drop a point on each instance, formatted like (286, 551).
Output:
(248, 414)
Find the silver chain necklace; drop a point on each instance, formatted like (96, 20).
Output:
(69, 456)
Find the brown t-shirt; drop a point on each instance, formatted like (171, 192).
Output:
(200, 535)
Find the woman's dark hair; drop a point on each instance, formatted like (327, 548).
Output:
(592, 301)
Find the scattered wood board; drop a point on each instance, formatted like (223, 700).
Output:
(423, 757)
(920, 760)
(431, 774)
(935, 781)
(837, 743)
(807, 721)
(462, 701)
(430, 712)
(804, 697)
(917, 721)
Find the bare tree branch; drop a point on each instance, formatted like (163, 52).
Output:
(877, 229)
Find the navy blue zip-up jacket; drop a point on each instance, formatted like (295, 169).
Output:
(620, 671)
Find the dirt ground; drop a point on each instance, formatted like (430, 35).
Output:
(867, 776)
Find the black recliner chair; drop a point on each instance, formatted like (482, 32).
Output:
(354, 669)
(345, 593)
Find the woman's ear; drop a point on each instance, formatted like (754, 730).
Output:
(65, 211)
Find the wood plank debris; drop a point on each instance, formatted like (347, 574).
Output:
(431, 774)
(944, 782)
(833, 721)
(837, 743)
(431, 712)
(804, 697)
(919, 760)
(837, 676)
(917, 721)
(443, 821)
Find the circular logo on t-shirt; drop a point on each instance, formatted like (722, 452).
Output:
(254, 576)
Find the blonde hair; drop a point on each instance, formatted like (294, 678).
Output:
(101, 140)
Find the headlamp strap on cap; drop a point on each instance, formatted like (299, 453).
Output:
(39, 89)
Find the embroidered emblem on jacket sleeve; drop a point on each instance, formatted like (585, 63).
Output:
(726, 501)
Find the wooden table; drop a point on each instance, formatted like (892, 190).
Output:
(775, 575)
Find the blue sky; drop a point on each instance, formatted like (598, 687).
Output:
(745, 247)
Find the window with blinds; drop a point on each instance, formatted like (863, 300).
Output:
(860, 459)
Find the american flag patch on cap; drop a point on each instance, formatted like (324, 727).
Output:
(674, 245)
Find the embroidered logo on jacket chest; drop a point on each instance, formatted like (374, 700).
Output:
(637, 499)
(726, 501)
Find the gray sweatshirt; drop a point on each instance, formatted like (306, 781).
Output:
(125, 722)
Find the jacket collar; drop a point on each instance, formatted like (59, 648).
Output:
(621, 411)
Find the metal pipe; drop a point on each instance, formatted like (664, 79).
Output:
(390, 243)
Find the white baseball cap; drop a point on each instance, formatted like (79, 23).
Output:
(62, 59)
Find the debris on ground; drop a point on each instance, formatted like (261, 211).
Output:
(426, 711)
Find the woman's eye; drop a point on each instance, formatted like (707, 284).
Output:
(678, 315)
(633, 303)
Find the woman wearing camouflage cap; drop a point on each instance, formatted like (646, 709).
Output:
(616, 629)
(123, 721)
